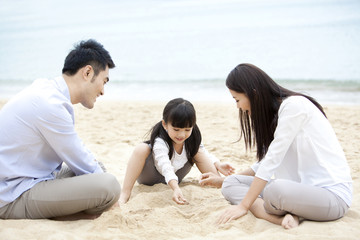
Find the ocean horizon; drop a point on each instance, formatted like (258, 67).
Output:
(165, 49)
(325, 91)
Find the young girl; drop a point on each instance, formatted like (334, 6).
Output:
(295, 144)
(174, 146)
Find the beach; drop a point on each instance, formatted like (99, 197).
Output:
(111, 131)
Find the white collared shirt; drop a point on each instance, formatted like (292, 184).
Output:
(168, 167)
(305, 149)
(36, 136)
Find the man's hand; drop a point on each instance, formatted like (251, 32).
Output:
(211, 179)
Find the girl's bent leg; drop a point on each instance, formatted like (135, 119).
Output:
(133, 170)
(90, 193)
(313, 203)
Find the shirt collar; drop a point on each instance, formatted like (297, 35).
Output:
(63, 87)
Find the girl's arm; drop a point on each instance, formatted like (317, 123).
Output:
(177, 195)
(163, 165)
(204, 163)
(236, 211)
(162, 161)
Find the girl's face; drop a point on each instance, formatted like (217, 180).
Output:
(177, 135)
(242, 101)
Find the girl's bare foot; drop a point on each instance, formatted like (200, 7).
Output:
(290, 221)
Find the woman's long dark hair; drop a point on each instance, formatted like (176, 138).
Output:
(265, 97)
(179, 113)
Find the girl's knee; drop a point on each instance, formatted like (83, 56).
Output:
(142, 148)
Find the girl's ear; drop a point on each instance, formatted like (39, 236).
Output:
(164, 125)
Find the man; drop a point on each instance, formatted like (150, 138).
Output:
(37, 136)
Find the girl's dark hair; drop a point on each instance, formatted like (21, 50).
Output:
(179, 113)
(265, 97)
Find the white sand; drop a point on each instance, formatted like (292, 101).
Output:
(112, 129)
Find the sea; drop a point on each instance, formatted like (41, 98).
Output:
(186, 48)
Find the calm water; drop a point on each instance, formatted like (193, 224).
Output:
(165, 49)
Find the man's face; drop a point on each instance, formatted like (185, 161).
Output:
(94, 88)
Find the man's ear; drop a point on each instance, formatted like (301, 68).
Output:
(88, 72)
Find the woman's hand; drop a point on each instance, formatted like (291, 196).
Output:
(224, 168)
(232, 213)
(211, 179)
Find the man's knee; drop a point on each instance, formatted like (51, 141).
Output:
(107, 184)
(112, 184)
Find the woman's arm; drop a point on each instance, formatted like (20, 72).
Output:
(236, 211)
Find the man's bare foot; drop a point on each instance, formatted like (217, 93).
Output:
(124, 197)
(290, 221)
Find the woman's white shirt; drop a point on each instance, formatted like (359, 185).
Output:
(305, 149)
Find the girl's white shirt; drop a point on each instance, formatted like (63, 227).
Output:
(305, 149)
(168, 167)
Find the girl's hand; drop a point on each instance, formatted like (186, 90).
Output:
(178, 197)
(224, 168)
(232, 213)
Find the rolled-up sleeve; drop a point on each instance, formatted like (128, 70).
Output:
(56, 125)
(162, 160)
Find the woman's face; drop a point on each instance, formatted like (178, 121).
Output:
(242, 101)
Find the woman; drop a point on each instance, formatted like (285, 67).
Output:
(301, 170)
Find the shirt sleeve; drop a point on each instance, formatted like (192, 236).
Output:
(255, 166)
(55, 123)
(292, 116)
(162, 160)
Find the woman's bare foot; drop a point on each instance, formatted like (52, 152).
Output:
(290, 221)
